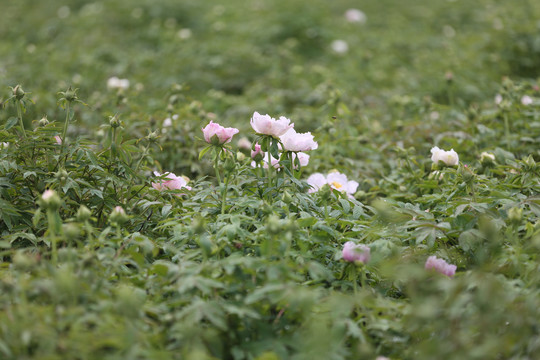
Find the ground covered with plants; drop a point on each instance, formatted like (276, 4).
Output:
(269, 180)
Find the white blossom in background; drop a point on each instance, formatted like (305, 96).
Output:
(167, 122)
(244, 143)
(184, 34)
(115, 83)
(355, 16)
(340, 46)
(526, 100)
(498, 99)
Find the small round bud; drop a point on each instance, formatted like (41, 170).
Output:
(50, 200)
(287, 198)
(273, 225)
(229, 164)
(240, 156)
(152, 136)
(466, 173)
(515, 214)
(487, 158)
(18, 92)
(43, 122)
(118, 216)
(61, 175)
(71, 95)
(114, 121)
(83, 214)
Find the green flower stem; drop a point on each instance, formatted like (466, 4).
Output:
(224, 193)
(64, 132)
(52, 218)
(19, 115)
(216, 163)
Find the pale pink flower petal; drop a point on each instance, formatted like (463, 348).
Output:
(316, 181)
(171, 182)
(293, 141)
(266, 125)
(441, 266)
(356, 252)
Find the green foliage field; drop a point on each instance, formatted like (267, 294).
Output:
(251, 267)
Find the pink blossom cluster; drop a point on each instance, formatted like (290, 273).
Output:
(355, 252)
(335, 180)
(441, 266)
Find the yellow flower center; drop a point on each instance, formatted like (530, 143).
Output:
(336, 185)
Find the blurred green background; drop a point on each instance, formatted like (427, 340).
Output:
(273, 55)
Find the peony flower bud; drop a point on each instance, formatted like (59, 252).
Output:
(118, 215)
(18, 92)
(43, 122)
(83, 214)
(50, 200)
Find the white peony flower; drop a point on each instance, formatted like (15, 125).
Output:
(450, 158)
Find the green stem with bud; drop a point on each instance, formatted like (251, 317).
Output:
(19, 115)
(64, 132)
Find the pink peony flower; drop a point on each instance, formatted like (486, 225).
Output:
(355, 252)
(217, 134)
(293, 141)
(450, 158)
(171, 182)
(266, 125)
(335, 180)
(440, 266)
